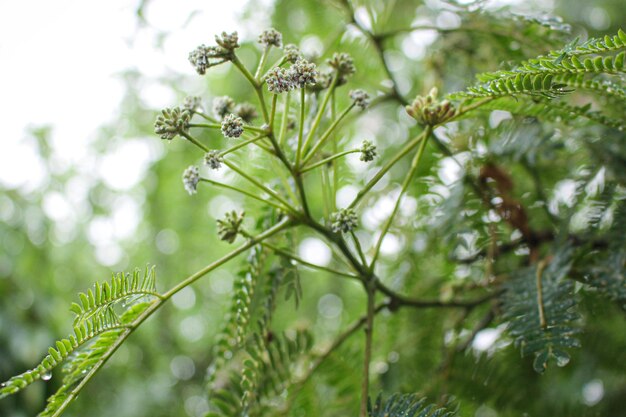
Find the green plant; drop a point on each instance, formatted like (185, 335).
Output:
(532, 257)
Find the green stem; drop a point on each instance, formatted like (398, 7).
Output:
(405, 150)
(359, 250)
(262, 61)
(405, 185)
(241, 145)
(285, 119)
(328, 132)
(247, 193)
(194, 141)
(207, 125)
(206, 117)
(320, 113)
(327, 160)
(300, 128)
(309, 264)
(245, 71)
(261, 186)
(335, 168)
(367, 357)
(256, 129)
(273, 111)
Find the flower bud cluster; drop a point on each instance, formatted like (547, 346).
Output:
(204, 57)
(301, 74)
(344, 220)
(271, 37)
(429, 111)
(232, 126)
(229, 227)
(278, 80)
(343, 64)
(191, 178)
(213, 159)
(223, 106)
(193, 103)
(292, 53)
(171, 122)
(247, 112)
(368, 151)
(360, 98)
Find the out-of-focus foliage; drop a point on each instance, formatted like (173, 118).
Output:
(528, 190)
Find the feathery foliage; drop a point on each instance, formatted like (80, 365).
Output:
(408, 405)
(454, 222)
(541, 308)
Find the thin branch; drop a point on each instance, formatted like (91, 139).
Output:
(405, 185)
(405, 150)
(299, 260)
(156, 304)
(244, 192)
(327, 160)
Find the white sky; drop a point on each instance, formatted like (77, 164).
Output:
(58, 61)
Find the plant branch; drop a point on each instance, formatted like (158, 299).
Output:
(405, 184)
(327, 160)
(405, 150)
(328, 132)
(156, 304)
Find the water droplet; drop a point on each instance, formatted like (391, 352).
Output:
(562, 361)
(46, 376)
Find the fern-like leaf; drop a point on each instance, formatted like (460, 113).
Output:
(593, 46)
(539, 76)
(553, 111)
(84, 333)
(123, 287)
(608, 274)
(268, 370)
(407, 405)
(540, 306)
(95, 332)
(236, 327)
(80, 366)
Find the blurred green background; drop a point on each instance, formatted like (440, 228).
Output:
(121, 205)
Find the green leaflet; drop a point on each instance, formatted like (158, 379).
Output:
(408, 405)
(96, 327)
(123, 287)
(536, 76)
(523, 310)
(233, 335)
(80, 365)
(552, 110)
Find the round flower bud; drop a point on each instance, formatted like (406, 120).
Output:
(223, 106)
(292, 53)
(247, 112)
(344, 220)
(368, 151)
(271, 37)
(193, 103)
(191, 178)
(232, 126)
(303, 73)
(171, 122)
(360, 98)
(279, 80)
(213, 159)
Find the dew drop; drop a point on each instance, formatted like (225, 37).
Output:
(46, 376)
(562, 361)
